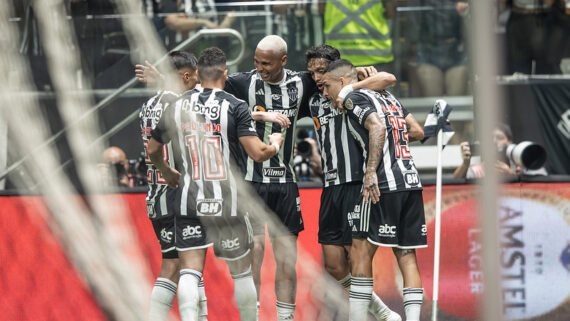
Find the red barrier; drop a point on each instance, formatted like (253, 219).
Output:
(38, 281)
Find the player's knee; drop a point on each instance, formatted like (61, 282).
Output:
(170, 269)
(258, 246)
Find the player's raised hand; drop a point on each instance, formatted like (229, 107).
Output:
(278, 118)
(276, 138)
(370, 190)
(171, 176)
(147, 73)
(365, 72)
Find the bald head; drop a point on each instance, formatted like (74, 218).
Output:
(114, 154)
(273, 43)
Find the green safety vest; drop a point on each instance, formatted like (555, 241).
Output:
(358, 29)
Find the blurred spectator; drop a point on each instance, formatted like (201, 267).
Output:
(115, 168)
(183, 17)
(528, 31)
(472, 166)
(441, 61)
(559, 35)
(360, 30)
(307, 160)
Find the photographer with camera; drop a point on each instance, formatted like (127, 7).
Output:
(307, 161)
(524, 158)
(117, 170)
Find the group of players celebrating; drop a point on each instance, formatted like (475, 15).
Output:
(220, 153)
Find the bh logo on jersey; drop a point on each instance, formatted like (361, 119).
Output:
(190, 232)
(165, 235)
(209, 207)
(387, 230)
(230, 244)
(412, 179)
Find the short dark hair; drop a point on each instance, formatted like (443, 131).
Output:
(211, 64)
(183, 59)
(338, 64)
(506, 129)
(324, 51)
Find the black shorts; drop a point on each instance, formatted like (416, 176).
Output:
(398, 220)
(336, 202)
(164, 231)
(283, 200)
(231, 237)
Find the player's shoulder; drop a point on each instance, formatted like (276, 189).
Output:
(241, 76)
(230, 98)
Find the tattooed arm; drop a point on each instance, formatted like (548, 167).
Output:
(376, 138)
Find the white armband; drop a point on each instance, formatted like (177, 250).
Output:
(345, 91)
(276, 148)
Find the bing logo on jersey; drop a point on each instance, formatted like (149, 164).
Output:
(209, 207)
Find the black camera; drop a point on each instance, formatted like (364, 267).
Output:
(137, 170)
(475, 148)
(304, 148)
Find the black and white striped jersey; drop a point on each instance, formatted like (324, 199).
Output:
(341, 159)
(396, 171)
(158, 192)
(204, 127)
(289, 97)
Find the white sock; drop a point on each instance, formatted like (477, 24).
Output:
(202, 302)
(245, 295)
(413, 299)
(345, 282)
(379, 309)
(161, 299)
(285, 311)
(188, 294)
(359, 299)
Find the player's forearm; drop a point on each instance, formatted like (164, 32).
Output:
(376, 138)
(461, 171)
(263, 152)
(377, 82)
(155, 155)
(415, 130)
(183, 24)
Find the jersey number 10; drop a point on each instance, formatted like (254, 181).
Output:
(208, 159)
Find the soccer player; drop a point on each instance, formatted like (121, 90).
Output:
(390, 212)
(342, 170)
(159, 196)
(273, 89)
(209, 130)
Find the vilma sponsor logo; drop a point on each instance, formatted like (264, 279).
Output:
(230, 244)
(274, 171)
(165, 235)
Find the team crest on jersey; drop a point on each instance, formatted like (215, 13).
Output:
(209, 207)
(274, 172)
(293, 93)
(348, 104)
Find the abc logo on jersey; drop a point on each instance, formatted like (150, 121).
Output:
(209, 207)
(230, 244)
(191, 232)
(165, 235)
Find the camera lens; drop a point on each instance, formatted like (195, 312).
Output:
(304, 148)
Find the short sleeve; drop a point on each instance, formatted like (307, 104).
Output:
(405, 111)
(244, 120)
(309, 89)
(238, 84)
(165, 127)
(358, 107)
